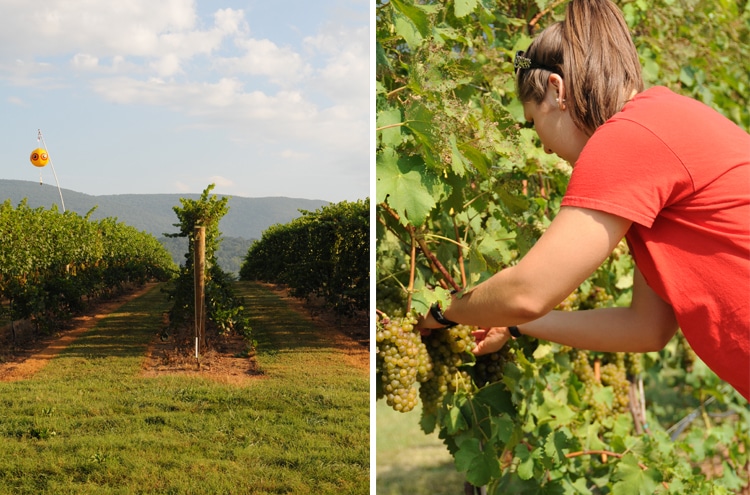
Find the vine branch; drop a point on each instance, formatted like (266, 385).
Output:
(544, 12)
(436, 263)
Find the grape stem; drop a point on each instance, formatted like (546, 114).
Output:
(412, 268)
(460, 254)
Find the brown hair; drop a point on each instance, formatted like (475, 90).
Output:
(593, 52)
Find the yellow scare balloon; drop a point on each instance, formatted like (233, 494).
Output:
(39, 157)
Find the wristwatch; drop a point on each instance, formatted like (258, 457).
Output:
(440, 317)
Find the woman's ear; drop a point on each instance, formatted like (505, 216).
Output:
(556, 82)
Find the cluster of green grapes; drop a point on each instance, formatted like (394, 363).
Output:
(634, 364)
(391, 300)
(402, 361)
(596, 297)
(411, 366)
(489, 368)
(449, 351)
(613, 372)
(686, 353)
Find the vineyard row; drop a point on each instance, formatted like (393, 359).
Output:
(51, 263)
(320, 254)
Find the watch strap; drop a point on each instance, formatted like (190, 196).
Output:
(440, 317)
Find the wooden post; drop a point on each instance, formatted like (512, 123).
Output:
(199, 270)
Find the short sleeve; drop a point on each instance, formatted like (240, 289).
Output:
(627, 171)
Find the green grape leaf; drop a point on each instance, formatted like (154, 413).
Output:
(402, 185)
(557, 445)
(476, 157)
(503, 427)
(650, 70)
(480, 465)
(455, 421)
(497, 397)
(425, 297)
(525, 468)
(514, 202)
(464, 7)
(381, 59)
(631, 479)
(417, 17)
(407, 30)
(605, 395)
(388, 121)
(427, 423)
(496, 248)
(457, 160)
(554, 411)
(420, 120)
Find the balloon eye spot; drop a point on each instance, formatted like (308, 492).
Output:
(35, 156)
(44, 156)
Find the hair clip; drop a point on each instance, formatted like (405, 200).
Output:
(521, 62)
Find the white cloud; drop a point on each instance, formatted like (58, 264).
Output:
(301, 98)
(346, 53)
(130, 27)
(224, 101)
(281, 65)
(168, 65)
(165, 33)
(294, 155)
(220, 181)
(180, 186)
(85, 61)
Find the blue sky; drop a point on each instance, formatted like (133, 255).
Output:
(261, 98)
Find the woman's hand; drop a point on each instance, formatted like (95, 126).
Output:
(490, 340)
(427, 324)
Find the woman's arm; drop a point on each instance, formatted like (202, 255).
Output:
(647, 325)
(576, 243)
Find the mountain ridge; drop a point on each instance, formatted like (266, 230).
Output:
(247, 217)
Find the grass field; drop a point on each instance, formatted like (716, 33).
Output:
(410, 462)
(88, 423)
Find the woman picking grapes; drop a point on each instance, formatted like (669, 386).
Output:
(666, 172)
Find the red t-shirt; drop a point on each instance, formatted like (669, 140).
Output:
(681, 172)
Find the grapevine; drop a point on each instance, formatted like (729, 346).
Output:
(464, 190)
(321, 254)
(53, 263)
(224, 310)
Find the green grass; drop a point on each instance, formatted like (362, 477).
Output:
(89, 424)
(410, 462)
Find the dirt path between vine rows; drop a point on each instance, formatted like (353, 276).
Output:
(228, 362)
(24, 362)
(225, 363)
